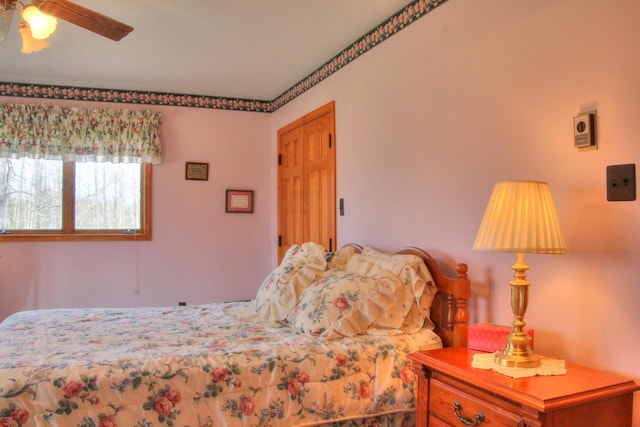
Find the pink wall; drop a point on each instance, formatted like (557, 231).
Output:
(198, 254)
(477, 92)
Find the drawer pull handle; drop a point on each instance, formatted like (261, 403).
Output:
(479, 417)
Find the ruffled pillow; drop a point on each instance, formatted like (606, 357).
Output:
(344, 304)
(280, 291)
(338, 260)
(412, 272)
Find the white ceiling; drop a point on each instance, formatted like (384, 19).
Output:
(249, 49)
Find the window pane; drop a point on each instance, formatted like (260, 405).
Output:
(30, 194)
(107, 196)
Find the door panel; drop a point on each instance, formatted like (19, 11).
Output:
(290, 190)
(320, 209)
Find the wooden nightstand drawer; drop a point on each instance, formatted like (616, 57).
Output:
(455, 407)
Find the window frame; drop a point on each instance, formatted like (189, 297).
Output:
(69, 233)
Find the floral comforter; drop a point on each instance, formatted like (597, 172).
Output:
(194, 366)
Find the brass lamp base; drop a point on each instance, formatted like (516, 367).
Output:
(518, 352)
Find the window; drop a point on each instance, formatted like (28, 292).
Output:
(76, 173)
(101, 201)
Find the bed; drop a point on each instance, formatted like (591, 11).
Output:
(324, 343)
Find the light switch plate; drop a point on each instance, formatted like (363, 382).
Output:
(621, 182)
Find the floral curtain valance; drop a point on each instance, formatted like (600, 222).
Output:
(79, 134)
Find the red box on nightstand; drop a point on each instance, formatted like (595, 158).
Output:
(490, 338)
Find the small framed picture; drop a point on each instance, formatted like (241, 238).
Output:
(240, 201)
(197, 171)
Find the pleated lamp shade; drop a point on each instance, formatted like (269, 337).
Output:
(521, 217)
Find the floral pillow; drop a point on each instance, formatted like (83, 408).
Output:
(338, 260)
(344, 305)
(280, 291)
(412, 272)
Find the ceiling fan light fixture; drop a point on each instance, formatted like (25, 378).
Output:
(6, 14)
(30, 44)
(42, 25)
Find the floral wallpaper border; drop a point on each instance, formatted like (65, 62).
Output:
(394, 24)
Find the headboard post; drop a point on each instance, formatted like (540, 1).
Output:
(462, 292)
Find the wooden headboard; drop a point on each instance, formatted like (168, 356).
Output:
(449, 309)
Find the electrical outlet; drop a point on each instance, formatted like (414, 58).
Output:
(621, 182)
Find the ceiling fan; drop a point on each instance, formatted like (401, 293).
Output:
(67, 11)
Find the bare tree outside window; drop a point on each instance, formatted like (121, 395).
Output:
(107, 196)
(31, 194)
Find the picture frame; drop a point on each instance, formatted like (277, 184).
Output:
(239, 201)
(196, 171)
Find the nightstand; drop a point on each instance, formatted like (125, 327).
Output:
(452, 393)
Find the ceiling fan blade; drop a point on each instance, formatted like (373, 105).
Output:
(85, 18)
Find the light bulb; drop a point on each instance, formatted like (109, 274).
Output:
(41, 25)
(29, 44)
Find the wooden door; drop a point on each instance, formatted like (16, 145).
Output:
(307, 181)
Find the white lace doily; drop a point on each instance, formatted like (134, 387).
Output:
(548, 366)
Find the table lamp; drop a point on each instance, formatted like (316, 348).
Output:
(520, 217)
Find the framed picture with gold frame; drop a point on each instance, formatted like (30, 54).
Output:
(197, 171)
(239, 201)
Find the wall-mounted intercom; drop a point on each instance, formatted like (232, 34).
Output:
(584, 130)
